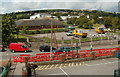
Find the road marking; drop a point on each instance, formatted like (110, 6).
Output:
(61, 65)
(69, 64)
(101, 63)
(43, 67)
(72, 63)
(106, 61)
(80, 64)
(64, 72)
(56, 65)
(51, 66)
(57, 74)
(47, 66)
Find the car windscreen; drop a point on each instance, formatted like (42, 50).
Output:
(24, 46)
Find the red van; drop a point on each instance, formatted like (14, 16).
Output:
(18, 47)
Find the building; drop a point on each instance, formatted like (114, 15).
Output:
(64, 18)
(40, 16)
(36, 24)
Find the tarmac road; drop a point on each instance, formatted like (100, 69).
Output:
(91, 68)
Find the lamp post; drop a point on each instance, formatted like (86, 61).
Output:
(51, 41)
(91, 47)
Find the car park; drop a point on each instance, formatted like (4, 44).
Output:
(45, 48)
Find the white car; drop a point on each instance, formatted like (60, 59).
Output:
(69, 33)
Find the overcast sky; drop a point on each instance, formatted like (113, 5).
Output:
(9, 6)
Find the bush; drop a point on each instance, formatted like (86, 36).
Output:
(44, 31)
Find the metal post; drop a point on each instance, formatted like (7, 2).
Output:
(80, 41)
(62, 41)
(91, 47)
(51, 39)
(101, 39)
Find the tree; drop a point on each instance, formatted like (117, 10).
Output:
(25, 28)
(83, 20)
(107, 22)
(115, 23)
(8, 28)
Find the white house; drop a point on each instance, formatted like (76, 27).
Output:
(65, 17)
(39, 16)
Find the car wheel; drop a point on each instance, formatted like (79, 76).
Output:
(13, 50)
(25, 51)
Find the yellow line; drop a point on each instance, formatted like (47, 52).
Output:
(39, 67)
(61, 65)
(43, 67)
(72, 64)
(77, 63)
(46, 66)
(64, 65)
(51, 66)
(69, 64)
(80, 63)
(56, 65)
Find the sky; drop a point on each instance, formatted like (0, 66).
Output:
(8, 6)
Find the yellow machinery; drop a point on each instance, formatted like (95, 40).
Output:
(79, 33)
(100, 30)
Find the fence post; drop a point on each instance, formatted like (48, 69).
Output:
(62, 56)
(62, 41)
(93, 55)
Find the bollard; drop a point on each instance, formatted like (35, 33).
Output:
(93, 55)
(114, 53)
(62, 56)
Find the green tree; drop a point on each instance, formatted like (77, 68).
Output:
(107, 22)
(25, 28)
(115, 23)
(8, 28)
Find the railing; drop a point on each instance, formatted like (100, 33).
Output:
(68, 54)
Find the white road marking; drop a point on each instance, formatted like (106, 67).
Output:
(64, 72)
(101, 63)
(57, 74)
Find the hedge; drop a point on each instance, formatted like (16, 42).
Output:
(44, 31)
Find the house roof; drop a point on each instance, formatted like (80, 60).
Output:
(38, 22)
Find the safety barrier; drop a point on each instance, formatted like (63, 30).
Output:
(95, 53)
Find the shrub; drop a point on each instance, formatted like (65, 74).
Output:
(44, 31)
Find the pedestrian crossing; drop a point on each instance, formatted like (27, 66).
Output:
(63, 65)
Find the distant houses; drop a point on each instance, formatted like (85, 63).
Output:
(40, 16)
(35, 24)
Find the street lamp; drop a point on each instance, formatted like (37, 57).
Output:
(51, 41)
(91, 47)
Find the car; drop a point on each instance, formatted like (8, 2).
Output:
(18, 47)
(45, 48)
(75, 47)
(2, 49)
(63, 49)
(69, 33)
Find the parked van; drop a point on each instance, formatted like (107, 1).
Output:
(18, 47)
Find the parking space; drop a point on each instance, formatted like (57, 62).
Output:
(93, 67)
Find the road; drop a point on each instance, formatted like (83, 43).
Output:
(94, 67)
